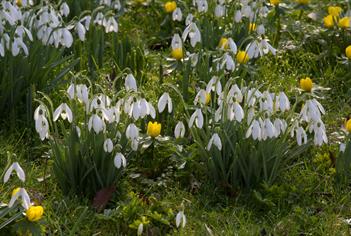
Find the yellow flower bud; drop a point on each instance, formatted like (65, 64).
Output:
(303, 2)
(344, 22)
(252, 27)
(153, 129)
(306, 84)
(177, 53)
(334, 11)
(170, 6)
(274, 2)
(208, 98)
(348, 125)
(34, 213)
(14, 191)
(328, 21)
(242, 57)
(19, 3)
(348, 52)
(223, 43)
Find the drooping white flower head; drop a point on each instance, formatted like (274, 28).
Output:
(235, 111)
(64, 111)
(176, 42)
(132, 132)
(19, 171)
(219, 10)
(193, 32)
(177, 14)
(81, 31)
(282, 102)
(96, 123)
(255, 131)
(64, 9)
(120, 160)
(180, 219)
(179, 130)
(165, 99)
(42, 127)
(198, 118)
(202, 5)
(216, 140)
(108, 145)
(237, 16)
(130, 83)
(25, 200)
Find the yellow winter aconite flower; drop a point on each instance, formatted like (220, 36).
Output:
(34, 213)
(177, 53)
(328, 21)
(306, 84)
(303, 2)
(274, 2)
(223, 43)
(348, 52)
(170, 6)
(334, 10)
(344, 22)
(19, 3)
(208, 98)
(348, 126)
(153, 129)
(14, 191)
(252, 27)
(242, 57)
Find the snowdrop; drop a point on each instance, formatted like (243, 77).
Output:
(198, 118)
(214, 85)
(120, 160)
(64, 9)
(235, 111)
(193, 33)
(177, 14)
(71, 91)
(110, 25)
(25, 200)
(189, 19)
(254, 130)
(130, 83)
(220, 10)
(216, 140)
(81, 31)
(42, 126)
(132, 132)
(282, 102)
(312, 110)
(82, 93)
(19, 171)
(108, 145)
(64, 111)
(237, 16)
(320, 135)
(179, 130)
(180, 219)
(202, 5)
(96, 123)
(164, 100)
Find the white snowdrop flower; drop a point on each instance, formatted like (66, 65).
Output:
(342, 147)
(135, 111)
(177, 14)
(202, 5)
(143, 107)
(99, 18)
(266, 47)
(189, 19)
(67, 38)
(254, 131)
(237, 16)
(246, 11)
(39, 111)
(270, 130)
(219, 10)
(152, 111)
(71, 91)
(78, 131)
(165, 99)
(140, 229)
(261, 30)
(235, 92)
(301, 136)
(82, 93)
(320, 135)
(201, 97)
(117, 5)
(108, 145)
(280, 126)
(232, 46)
(17, 45)
(81, 31)
(250, 115)
(228, 62)
(96, 123)
(179, 130)
(312, 110)
(19, 171)
(238, 112)
(198, 118)
(266, 102)
(130, 83)
(253, 49)
(110, 25)
(100, 102)
(64, 9)
(194, 34)
(86, 21)
(180, 219)
(120, 160)
(282, 102)
(216, 140)
(214, 85)
(25, 200)
(132, 132)
(64, 111)
(42, 127)
(176, 42)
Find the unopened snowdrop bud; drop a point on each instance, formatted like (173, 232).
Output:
(180, 219)
(108, 145)
(261, 30)
(140, 229)
(25, 200)
(96, 123)
(237, 16)
(130, 83)
(269, 128)
(179, 130)
(71, 91)
(177, 14)
(81, 31)
(120, 160)
(229, 62)
(198, 118)
(165, 99)
(342, 147)
(132, 132)
(64, 111)
(19, 171)
(219, 10)
(215, 140)
(64, 9)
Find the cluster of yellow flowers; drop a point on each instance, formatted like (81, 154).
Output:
(334, 18)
